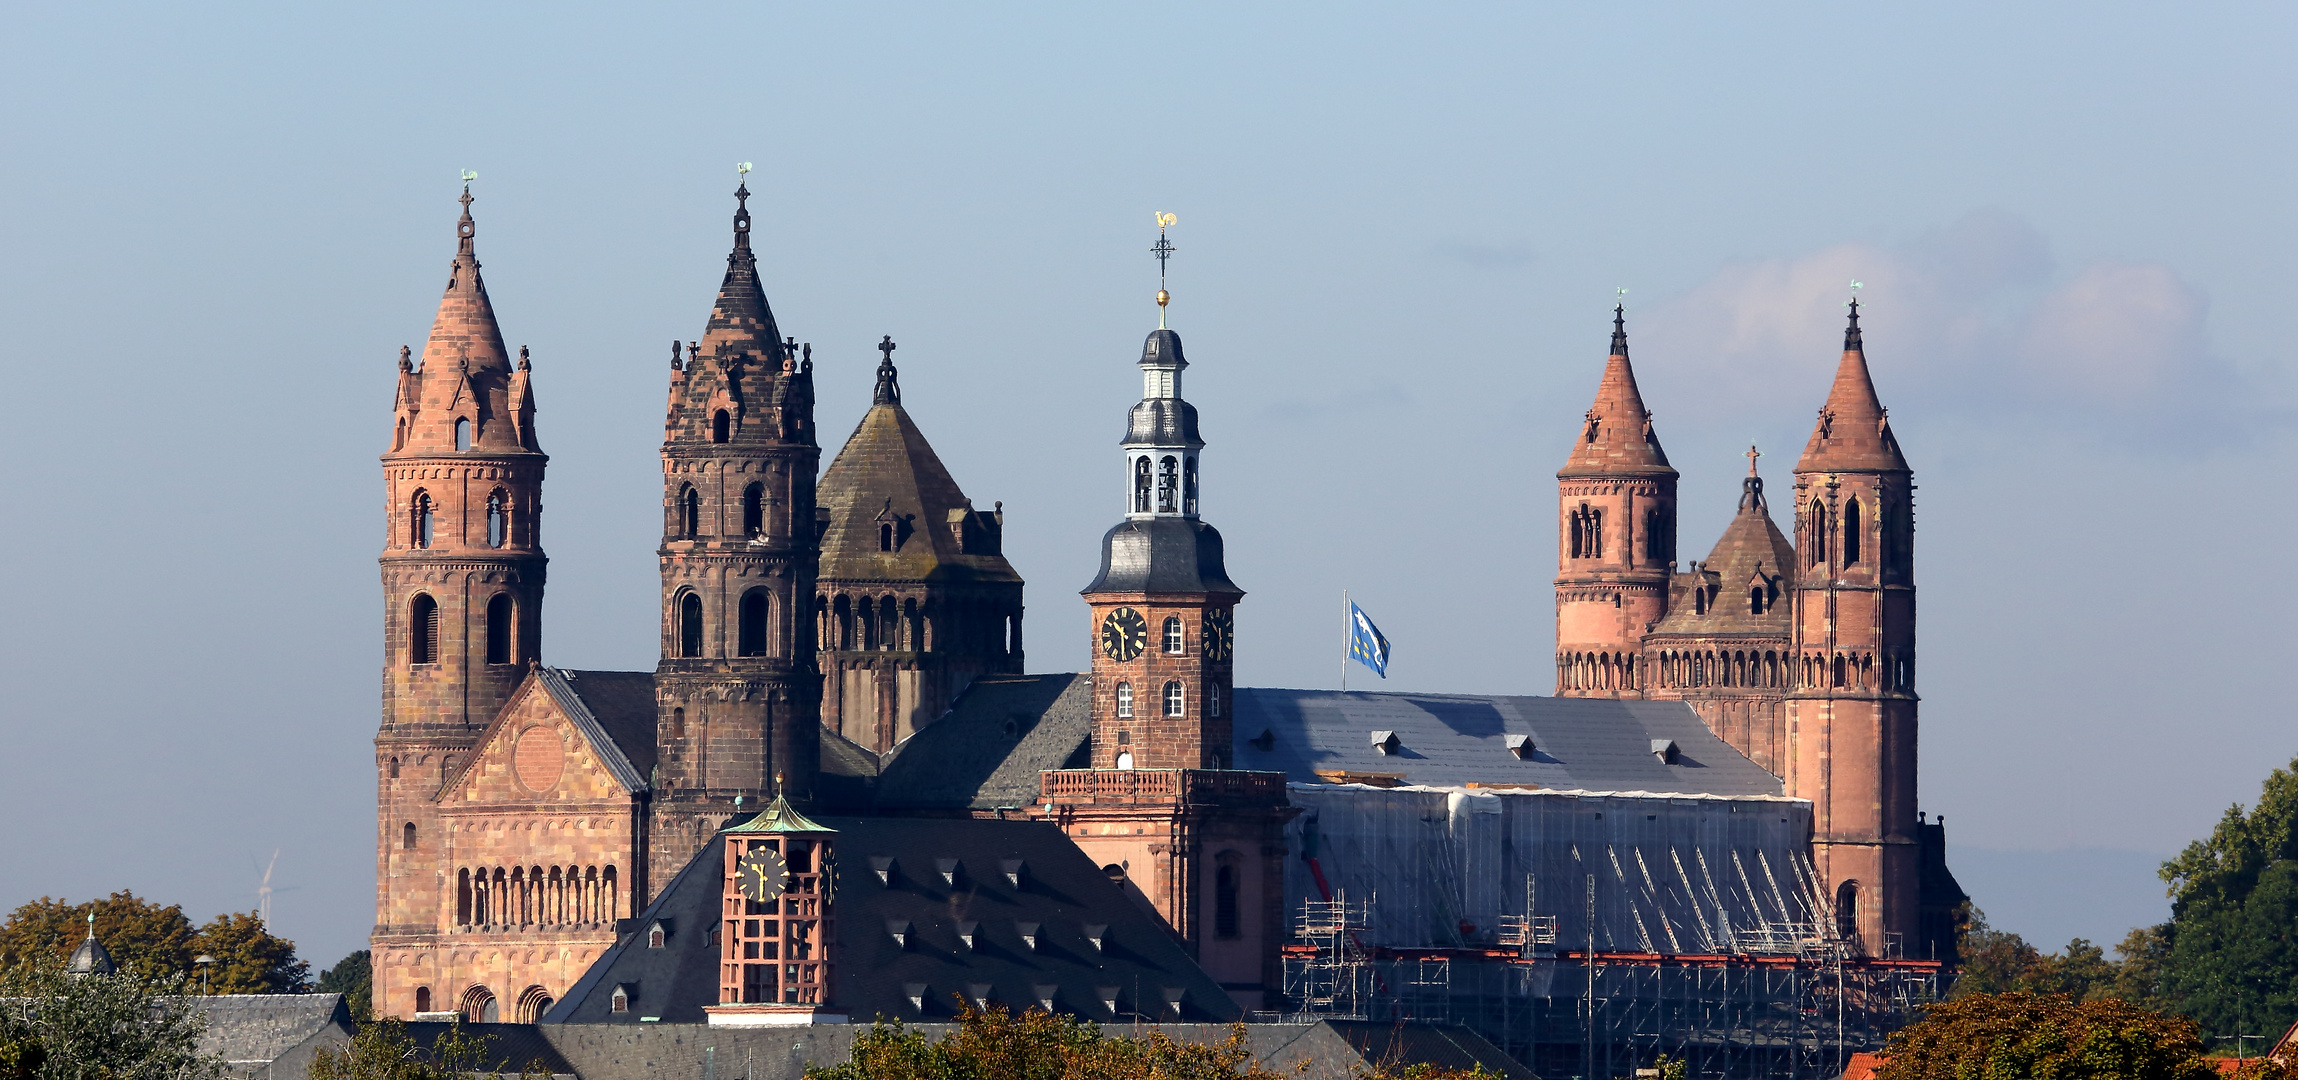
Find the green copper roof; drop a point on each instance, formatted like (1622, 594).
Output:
(779, 817)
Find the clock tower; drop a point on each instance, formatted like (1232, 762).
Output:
(777, 922)
(1162, 809)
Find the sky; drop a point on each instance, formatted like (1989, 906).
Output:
(1400, 232)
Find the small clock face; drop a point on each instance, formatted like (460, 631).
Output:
(1220, 633)
(1124, 633)
(763, 875)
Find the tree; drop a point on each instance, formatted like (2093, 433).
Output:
(354, 978)
(384, 1050)
(1999, 961)
(248, 959)
(1036, 1045)
(2229, 957)
(141, 936)
(101, 1027)
(2019, 1035)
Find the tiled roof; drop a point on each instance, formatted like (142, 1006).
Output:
(987, 750)
(888, 470)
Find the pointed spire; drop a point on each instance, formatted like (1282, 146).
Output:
(741, 324)
(1854, 430)
(1616, 435)
(465, 325)
(889, 391)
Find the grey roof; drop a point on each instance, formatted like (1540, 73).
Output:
(255, 1029)
(1163, 555)
(1062, 900)
(615, 710)
(1162, 422)
(968, 758)
(1450, 740)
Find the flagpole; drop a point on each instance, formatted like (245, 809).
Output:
(1347, 638)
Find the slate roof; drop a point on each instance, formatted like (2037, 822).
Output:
(1163, 555)
(1060, 891)
(616, 710)
(888, 468)
(255, 1029)
(967, 758)
(1450, 740)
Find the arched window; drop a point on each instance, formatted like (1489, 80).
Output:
(463, 898)
(1659, 535)
(423, 630)
(1173, 635)
(750, 636)
(610, 900)
(1225, 895)
(1755, 600)
(753, 510)
(689, 512)
(462, 433)
(678, 722)
(690, 626)
(885, 536)
(407, 836)
(1815, 534)
(1847, 910)
(1173, 700)
(1189, 484)
(1125, 759)
(721, 426)
(499, 629)
(479, 1006)
(394, 768)
(421, 518)
(1839, 670)
(1141, 485)
(1124, 699)
(422, 999)
(1168, 484)
(1851, 533)
(498, 521)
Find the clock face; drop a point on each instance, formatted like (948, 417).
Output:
(1220, 633)
(762, 875)
(1124, 633)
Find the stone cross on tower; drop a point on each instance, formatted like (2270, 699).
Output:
(1752, 454)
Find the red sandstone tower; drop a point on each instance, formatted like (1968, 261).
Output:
(1851, 714)
(1616, 540)
(462, 580)
(738, 691)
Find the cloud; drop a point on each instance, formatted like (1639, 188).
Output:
(1974, 320)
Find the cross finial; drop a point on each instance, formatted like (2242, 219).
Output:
(1164, 250)
(886, 347)
(1752, 454)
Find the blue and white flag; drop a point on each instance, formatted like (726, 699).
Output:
(1365, 643)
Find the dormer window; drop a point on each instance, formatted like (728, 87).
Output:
(658, 934)
(721, 426)
(885, 536)
(462, 434)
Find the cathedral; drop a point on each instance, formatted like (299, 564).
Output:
(846, 644)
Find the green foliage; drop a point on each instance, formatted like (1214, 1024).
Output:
(2017, 1036)
(383, 1050)
(354, 978)
(141, 936)
(147, 939)
(248, 960)
(1999, 961)
(100, 1027)
(1035, 1045)
(2229, 955)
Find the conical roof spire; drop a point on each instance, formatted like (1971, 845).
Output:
(1616, 435)
(91, 958)
(1854, 429)
(741, 323)
(465, 325)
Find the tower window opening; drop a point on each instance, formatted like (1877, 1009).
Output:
(1815, 534)
(690, 626)
(423, 630)
(678, 722)
(407, 836)
(420, 521)
(422, 999)
(1168, 484)
(1840, 667)
(1212, 701)
(463, 896)
(1189, 484)
(499, 620)
(1225, 897)
(1141, 485)
(498, 521)
(1847, 910)
(1124, 700)
(1851, 533)
(1173, 700)
(462, 434)
(886, 536)
(689, 512)
(394, 768)
(721, 426)
(1659, 535)
(1173, 640)
(750, 635)
(753, 510)
(1699, 600)
(1755, 600)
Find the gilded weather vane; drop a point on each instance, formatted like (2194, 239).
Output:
(1164, 250)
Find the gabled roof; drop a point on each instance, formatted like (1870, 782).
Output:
(900, 950)
(987, 750)
(1451, 740)
(613, 710)
(887, 471)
